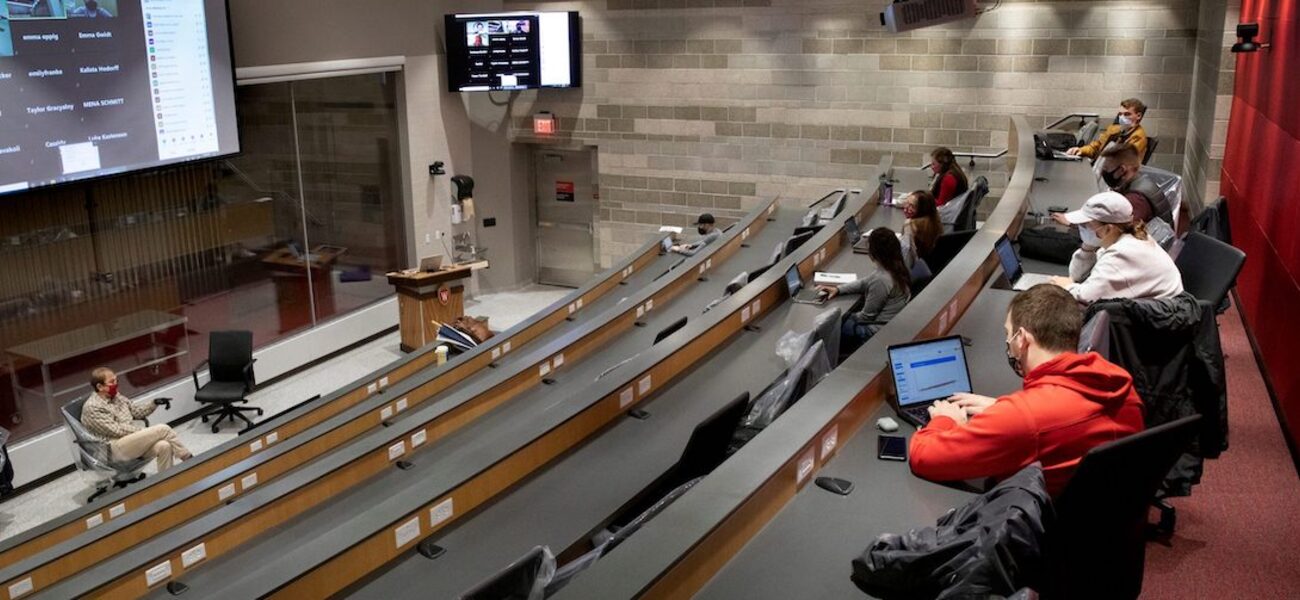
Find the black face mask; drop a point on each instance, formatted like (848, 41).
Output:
(1016, 366)
(702, 229)
(1112, 178)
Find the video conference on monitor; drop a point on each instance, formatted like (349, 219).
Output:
(513, 51)
(99, 87)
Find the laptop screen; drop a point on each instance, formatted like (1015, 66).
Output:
(1007, 256)
(793, 281)
(929, 370)
(851, 227)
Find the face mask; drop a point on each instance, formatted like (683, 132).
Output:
(111, 391)
(909, 212)
(1113, 178)
(1125, 121)
(1089, 236)
(1016, 366)
(702, 230)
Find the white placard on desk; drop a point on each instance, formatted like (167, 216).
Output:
(419, 438)
(643, 386)
(20, 588)
(248, 481)
(505, 347)
(385, 413)
(441, 512)
(383, 381)
(824, 278)
(401, 405)
(158, 573)
(95, 521)
(806, 464)
(640, 311)
(272, 437)
(225, 492)
(544, 369)
(255, 446)
(117, 511)
(558, 361)
(829, 441)
(580, 299)
(194, 555)
(396, 450)
(407, 532)
(625, 398)
(744, 315)
(496, 353)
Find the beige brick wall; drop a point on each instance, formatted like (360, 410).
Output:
(754, 98)
(1211, 99)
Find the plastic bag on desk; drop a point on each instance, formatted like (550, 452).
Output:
(792, 345)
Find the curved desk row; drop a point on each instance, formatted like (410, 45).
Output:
(636, 270)
(52, 564)
(266, 503)
(738, 532)
(563, 503)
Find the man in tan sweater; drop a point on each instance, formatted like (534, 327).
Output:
(111, 417)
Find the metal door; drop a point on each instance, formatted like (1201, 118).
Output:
(566, 216)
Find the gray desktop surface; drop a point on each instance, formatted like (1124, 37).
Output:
(611, 469)
(637, 281)
(289, 548)
(806, 550)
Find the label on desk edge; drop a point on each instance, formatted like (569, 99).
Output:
(419, 438)
(943, 322)
(441, 512)
(20, 588)
(572, 308)
(383, 381)
(643, 386)
(496, 353)
(117, 511)
(372, 388)
(248, 481)
(407, 532)
(401, 405)
(194, 555)
(829, 441)
(225, 492)
(397, 450)
(255, 446)
(385, 413)
(806, 464)
(544, 369)
(625, 398)
(579, 303)
(640, 311)
(158, 573)
(758, 305)
(505, 347)
(272, 437)
(95, 521)
(558, 361)
(744, 315)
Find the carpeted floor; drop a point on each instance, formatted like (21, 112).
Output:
(1238, 531)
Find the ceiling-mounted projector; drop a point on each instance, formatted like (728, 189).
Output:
(915, 14)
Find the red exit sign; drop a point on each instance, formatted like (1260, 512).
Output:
(544, 124)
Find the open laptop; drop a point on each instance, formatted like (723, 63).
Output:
(431, 263)
(798, 292)
(1015, 272)
(856, 241)
(926, 371)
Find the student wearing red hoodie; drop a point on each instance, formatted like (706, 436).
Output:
(1070, 403)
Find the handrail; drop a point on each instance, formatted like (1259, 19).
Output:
(973, 156)
(286, 498)
(116, 510)
(678, 552)
(1081, 115)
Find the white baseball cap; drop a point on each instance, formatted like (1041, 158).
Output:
(1106, 207)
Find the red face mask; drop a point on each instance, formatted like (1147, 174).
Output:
(111, 391)
(909, 212)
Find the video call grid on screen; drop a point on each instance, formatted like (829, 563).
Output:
(91, 88)
(513, 51)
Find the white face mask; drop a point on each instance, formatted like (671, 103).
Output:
(1125, 121)
(1089, 237)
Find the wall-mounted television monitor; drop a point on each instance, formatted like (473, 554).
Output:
(90, 88)
(513, 51)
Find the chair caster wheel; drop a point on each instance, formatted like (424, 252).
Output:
(214, 428)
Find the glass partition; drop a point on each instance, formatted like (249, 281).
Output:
(134, 272)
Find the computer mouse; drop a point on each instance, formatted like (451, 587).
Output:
(835, 485)
(887, 424)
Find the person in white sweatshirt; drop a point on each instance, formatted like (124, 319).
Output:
(1117, 259)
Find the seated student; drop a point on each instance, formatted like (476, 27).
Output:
(1117, 259)
(111, 417)
(885, 290)
(1121, 169)
(1127, 129)
(922, 228)
(949, 180)
(705, 226)
(1070, 403)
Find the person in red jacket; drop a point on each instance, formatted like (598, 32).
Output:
(1070, 403)
(949, 180)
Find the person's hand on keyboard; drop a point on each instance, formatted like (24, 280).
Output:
(827, 291)
(944, 408)
(973, 404)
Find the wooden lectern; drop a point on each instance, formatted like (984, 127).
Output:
(427, 298)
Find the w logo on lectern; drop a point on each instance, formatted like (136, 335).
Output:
(444, 295)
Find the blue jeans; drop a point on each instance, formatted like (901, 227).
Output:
(853, 334)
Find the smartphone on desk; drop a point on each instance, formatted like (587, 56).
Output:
(891, 447)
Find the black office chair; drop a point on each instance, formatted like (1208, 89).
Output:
(946, 248)
(969, 211)
(524, 578)
(1151, 149)
(230, 377)
(1097, 546)
(1209, 267)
